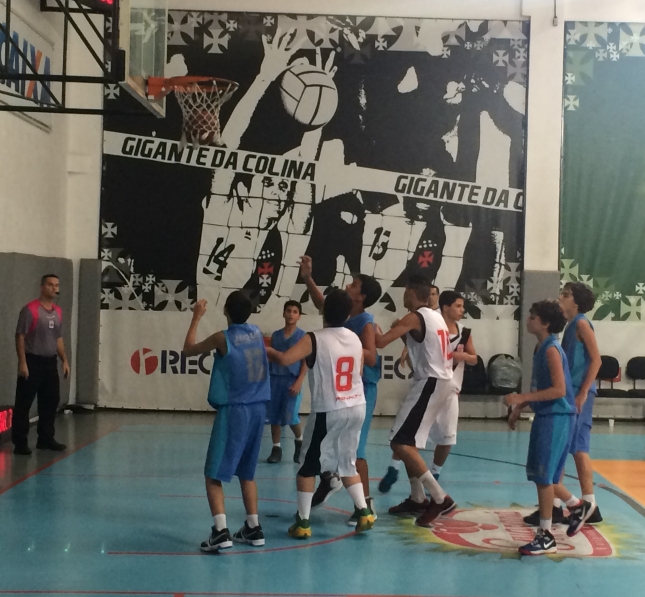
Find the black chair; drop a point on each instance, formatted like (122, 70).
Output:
(635, 370)
(475, 380)
(609, 370)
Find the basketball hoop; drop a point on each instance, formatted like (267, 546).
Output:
(200, 100)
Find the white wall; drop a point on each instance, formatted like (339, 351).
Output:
(50, 180)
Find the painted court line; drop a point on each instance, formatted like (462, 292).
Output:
(54, 461)
(201, 594)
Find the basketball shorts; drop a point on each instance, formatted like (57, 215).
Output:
(444, 430)
(281, 408)
(582, 426)
(370, 402)
(235, 442)
(420, 410)
(330, 442)
(548, 448)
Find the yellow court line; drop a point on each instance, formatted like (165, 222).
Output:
(627, 475)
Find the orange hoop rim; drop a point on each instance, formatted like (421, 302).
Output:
(160, 87)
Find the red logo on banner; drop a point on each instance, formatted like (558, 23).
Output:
(143, 362)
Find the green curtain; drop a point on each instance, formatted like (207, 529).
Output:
(602, 222)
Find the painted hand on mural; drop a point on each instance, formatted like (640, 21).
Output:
(278, 52)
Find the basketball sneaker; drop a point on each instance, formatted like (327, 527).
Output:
(578, 516)
(409, 506)
(300, 529)
(251, 536)
(217, 540)
(296, 453)
(329, 485)
(596, 517)
(391, 477)
(365, 520)
(434, 511)
(557, 517)
(276, 455)
(543, 543)
(355, 518)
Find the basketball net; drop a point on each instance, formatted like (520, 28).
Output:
(200, 100)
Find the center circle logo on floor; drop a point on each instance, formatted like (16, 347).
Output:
(504, 531)
(144, 362)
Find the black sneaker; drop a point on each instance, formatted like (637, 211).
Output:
(596, 517)
(578, 516)
(218, 540)
(276, 455)
(329, 485)
(251, 536)
(296, 454)
(544, 543)
(51, 445)
(22, 450)
(557, 517)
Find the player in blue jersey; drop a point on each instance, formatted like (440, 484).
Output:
(364, 292)
(286, 384)
(579, 344)
(239, 390)
(553, 401)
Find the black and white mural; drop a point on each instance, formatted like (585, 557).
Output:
(384, 146)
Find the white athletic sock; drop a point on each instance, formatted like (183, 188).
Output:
(545, 525)
(276, 445)
(304, 504)
(572, 502)
(219, 520)
(356, 493)
(396, 464)
(589, 497)
(434, 489)
(252, 521)
(557, 503)
(435, 469)
(416, 491)
(299, 439)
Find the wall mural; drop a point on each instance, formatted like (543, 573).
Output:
(381, 145)
(603, 180)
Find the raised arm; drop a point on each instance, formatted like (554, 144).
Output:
(399, 328)
(215, 342)
(277, 54)
(296, 353)
(315, 293)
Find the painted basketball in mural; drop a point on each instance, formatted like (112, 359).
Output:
(309, 94)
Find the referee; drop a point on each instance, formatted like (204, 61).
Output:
(39, 344)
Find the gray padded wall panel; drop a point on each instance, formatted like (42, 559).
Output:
(20, 275)
(89, 327)
(536, 286)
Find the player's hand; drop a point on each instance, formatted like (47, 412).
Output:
(23, 370)
(459, 356)
(66, 370)
(278, 53)
(306, 267)
(199, 309)
(404, 359)
(514, 417)
(580, 401)
(513, 399)
(296, 388)
(329, 67)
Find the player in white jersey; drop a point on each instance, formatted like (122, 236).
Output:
(335, 357)
(443, 433)
(427, 339)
